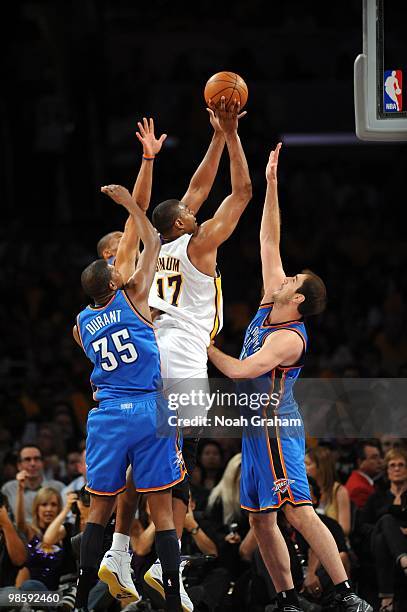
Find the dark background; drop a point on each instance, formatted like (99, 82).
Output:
(77, 76)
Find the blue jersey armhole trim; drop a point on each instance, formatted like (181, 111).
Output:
(136, 310)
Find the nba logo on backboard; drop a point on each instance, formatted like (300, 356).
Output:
(393, 95)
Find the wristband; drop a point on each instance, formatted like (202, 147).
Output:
(148, 157)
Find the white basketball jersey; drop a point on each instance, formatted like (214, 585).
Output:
(188, 298)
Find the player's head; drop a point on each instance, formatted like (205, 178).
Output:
(100, 280)
(108, 245)
(306, 291)
(173, 218)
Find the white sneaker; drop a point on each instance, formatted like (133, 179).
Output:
(115, 572)
(154, 578)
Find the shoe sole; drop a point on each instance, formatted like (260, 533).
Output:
(116, 589)
(157, 585)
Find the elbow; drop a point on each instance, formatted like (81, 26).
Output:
(153, 242)
(246, 191)
(47, 541)
(243, 193)
(19, 558)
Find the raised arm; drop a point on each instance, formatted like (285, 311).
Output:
(138, 285)
(272, 269)
(129, 246)
(284, 347)
(151, 147)
(21, 522)
(202, 181)
(56, 531)
(218, 229)
(15, 546)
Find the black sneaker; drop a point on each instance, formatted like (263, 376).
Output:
(348, 602)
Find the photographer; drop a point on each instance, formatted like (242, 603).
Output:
(13, 553)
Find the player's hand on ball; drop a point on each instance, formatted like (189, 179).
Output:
(271, 169)
(227, 117)
(214, 119)
(119, 194)
(151, 145)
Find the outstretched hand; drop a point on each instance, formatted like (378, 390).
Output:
(151, 145)
(119, 194)
(223, 119)
(271, 169)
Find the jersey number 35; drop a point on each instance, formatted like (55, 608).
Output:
(126, 352)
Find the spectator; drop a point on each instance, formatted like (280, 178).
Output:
(360, 484)
(13, 552)
(334, 501)
(210, 460)
(80, 481)
(73, 460)
(207, 583)
(45, 564)
(52, 448)
(384, 521)
(227, 518)
(30, 460)
(9, 466)
(317, 583)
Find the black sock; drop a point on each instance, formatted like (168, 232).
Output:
(167, 547)
(87, 579)
(91, 551)
(92, 545)
(288, 598)
(343, 588)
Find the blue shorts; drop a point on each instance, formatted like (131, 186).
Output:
(273, 468)
(123, 432)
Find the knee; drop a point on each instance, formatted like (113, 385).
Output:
(385, 521)
(261, 522)
(300, 517)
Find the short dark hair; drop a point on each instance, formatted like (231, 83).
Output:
(314, 291)
(165, 215)
(95, 278)
(104, 242)
(361, 445)
(29, 445)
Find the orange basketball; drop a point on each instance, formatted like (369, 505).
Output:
(228, 84)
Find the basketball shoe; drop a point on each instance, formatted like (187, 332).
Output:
(348, 602)
(115, 571)
(154, 578)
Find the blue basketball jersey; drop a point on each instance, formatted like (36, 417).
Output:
(283, 377)
(122, 347)
(273, 469)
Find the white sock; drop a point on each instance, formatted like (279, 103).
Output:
(120, 542)
(179, 544)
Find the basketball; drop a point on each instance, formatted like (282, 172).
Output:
(228, 84)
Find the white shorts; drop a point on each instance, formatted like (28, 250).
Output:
(183, 356)
(184, 372)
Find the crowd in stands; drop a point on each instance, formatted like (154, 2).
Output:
(42, 517)
(72, 131)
